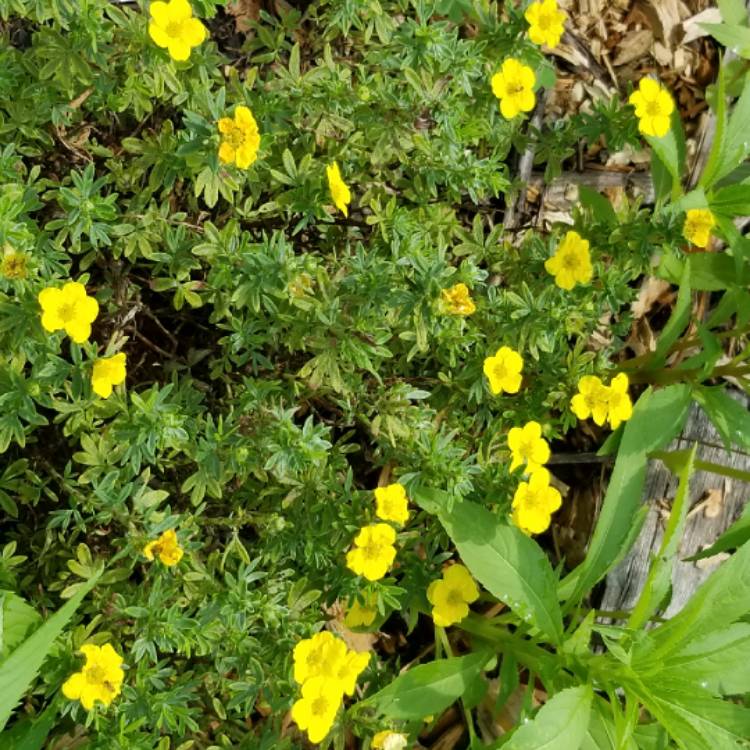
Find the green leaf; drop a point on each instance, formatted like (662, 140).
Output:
(710, 272)
(677, 322)
(733, 11)
(30, 734)
(602, 732)
(730, 417)
(19, 669)
(717, 662)
(735, 536)
(428, 688)
(722, 600)
(731, 201)
(670, 151)
(659, 579)
(17, 618)
(509, 564)
(560, 724)
(657, 417)
(733, 37)
(599, 206)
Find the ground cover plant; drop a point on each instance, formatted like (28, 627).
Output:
(285, 382)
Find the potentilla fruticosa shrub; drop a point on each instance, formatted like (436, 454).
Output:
(271, 362)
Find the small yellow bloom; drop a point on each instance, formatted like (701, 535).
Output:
(546, 22)
(592, 399)
(373, 552)
(653, 108)
(387, 740)
(504, 371)
(167, 547)
(619, 407)
(513, 85)
(99, 680)
(316, 710)
(340, 192)
(107, 373)
(392, 503)
(362, 614)
(240, 138)
(346, 670)
(317, 656)
(172, 26)
(527, 446)
(457, 300)
(698, 225)
(451, 595)
(571, 263)
(300, 286)
(69, 308)
(13, 264)
(534, 503)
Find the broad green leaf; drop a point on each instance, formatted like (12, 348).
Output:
(19, 669)
(722, 600)
(560, 724)
(716, 154)
(429, 688)
(731, 201)
(599, 206)
(17, 618)
(694, 718)
(657, 417)
(730, 417)
(509, 564)
(677, 322)
(659, 579)
(735, 536)
(602, 732)
(733, 37)
(651, 737)
(670, 151)
(710, 272)
(717, 662)
(30, 734)
(733, 11)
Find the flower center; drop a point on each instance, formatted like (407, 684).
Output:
(67, 311)
(371, 551)
(173, 29)
(319, 706)
(653, 109)
(96, 674)
(235, 137)
(501, 371)
(544, 21)
(454, 597)
(526, 449)
(569, 262)
(515, 88)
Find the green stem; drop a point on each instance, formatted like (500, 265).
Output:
(467, 712)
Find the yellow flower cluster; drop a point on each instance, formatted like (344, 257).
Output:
(240, 138)
(457, 300)
(361, 614)
(327, 670)
(340, 192)
(173, 27)
(513, 85)
(527, 446)
(653, 108)
(71, 310)
(451, 595)
(546, 22)
(13, 264)
(503, 371)
(698, 225)
(601, 402)
(166, 547)
(374, 550)
(534, 503)
(99, 680)
(571, 263)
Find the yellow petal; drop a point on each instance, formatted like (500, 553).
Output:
(158, 35)
(73, 686)
(193, 32)
(178, 50)
(78, 330)
(159, 12)
(179, 10)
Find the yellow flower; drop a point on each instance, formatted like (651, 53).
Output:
(592, 399)
(373, 552)
(107, 373)
(451, 595)
(534, 503)
(69, 308)
(300, 286)
(653, 108)
(99, 680)
(317, 656)
(346, 670)
(620, 407)
(241, 140)
(172, 26)
(457, 300)
(340, 193)
(13, 264)
(504, 371)
(387, 740)
(316, 710)
(528, 447)
(391, 503)
(513, 85)
(167, 547)
(546, 22)
(698, 225)
(360, 614)
(571, 263)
